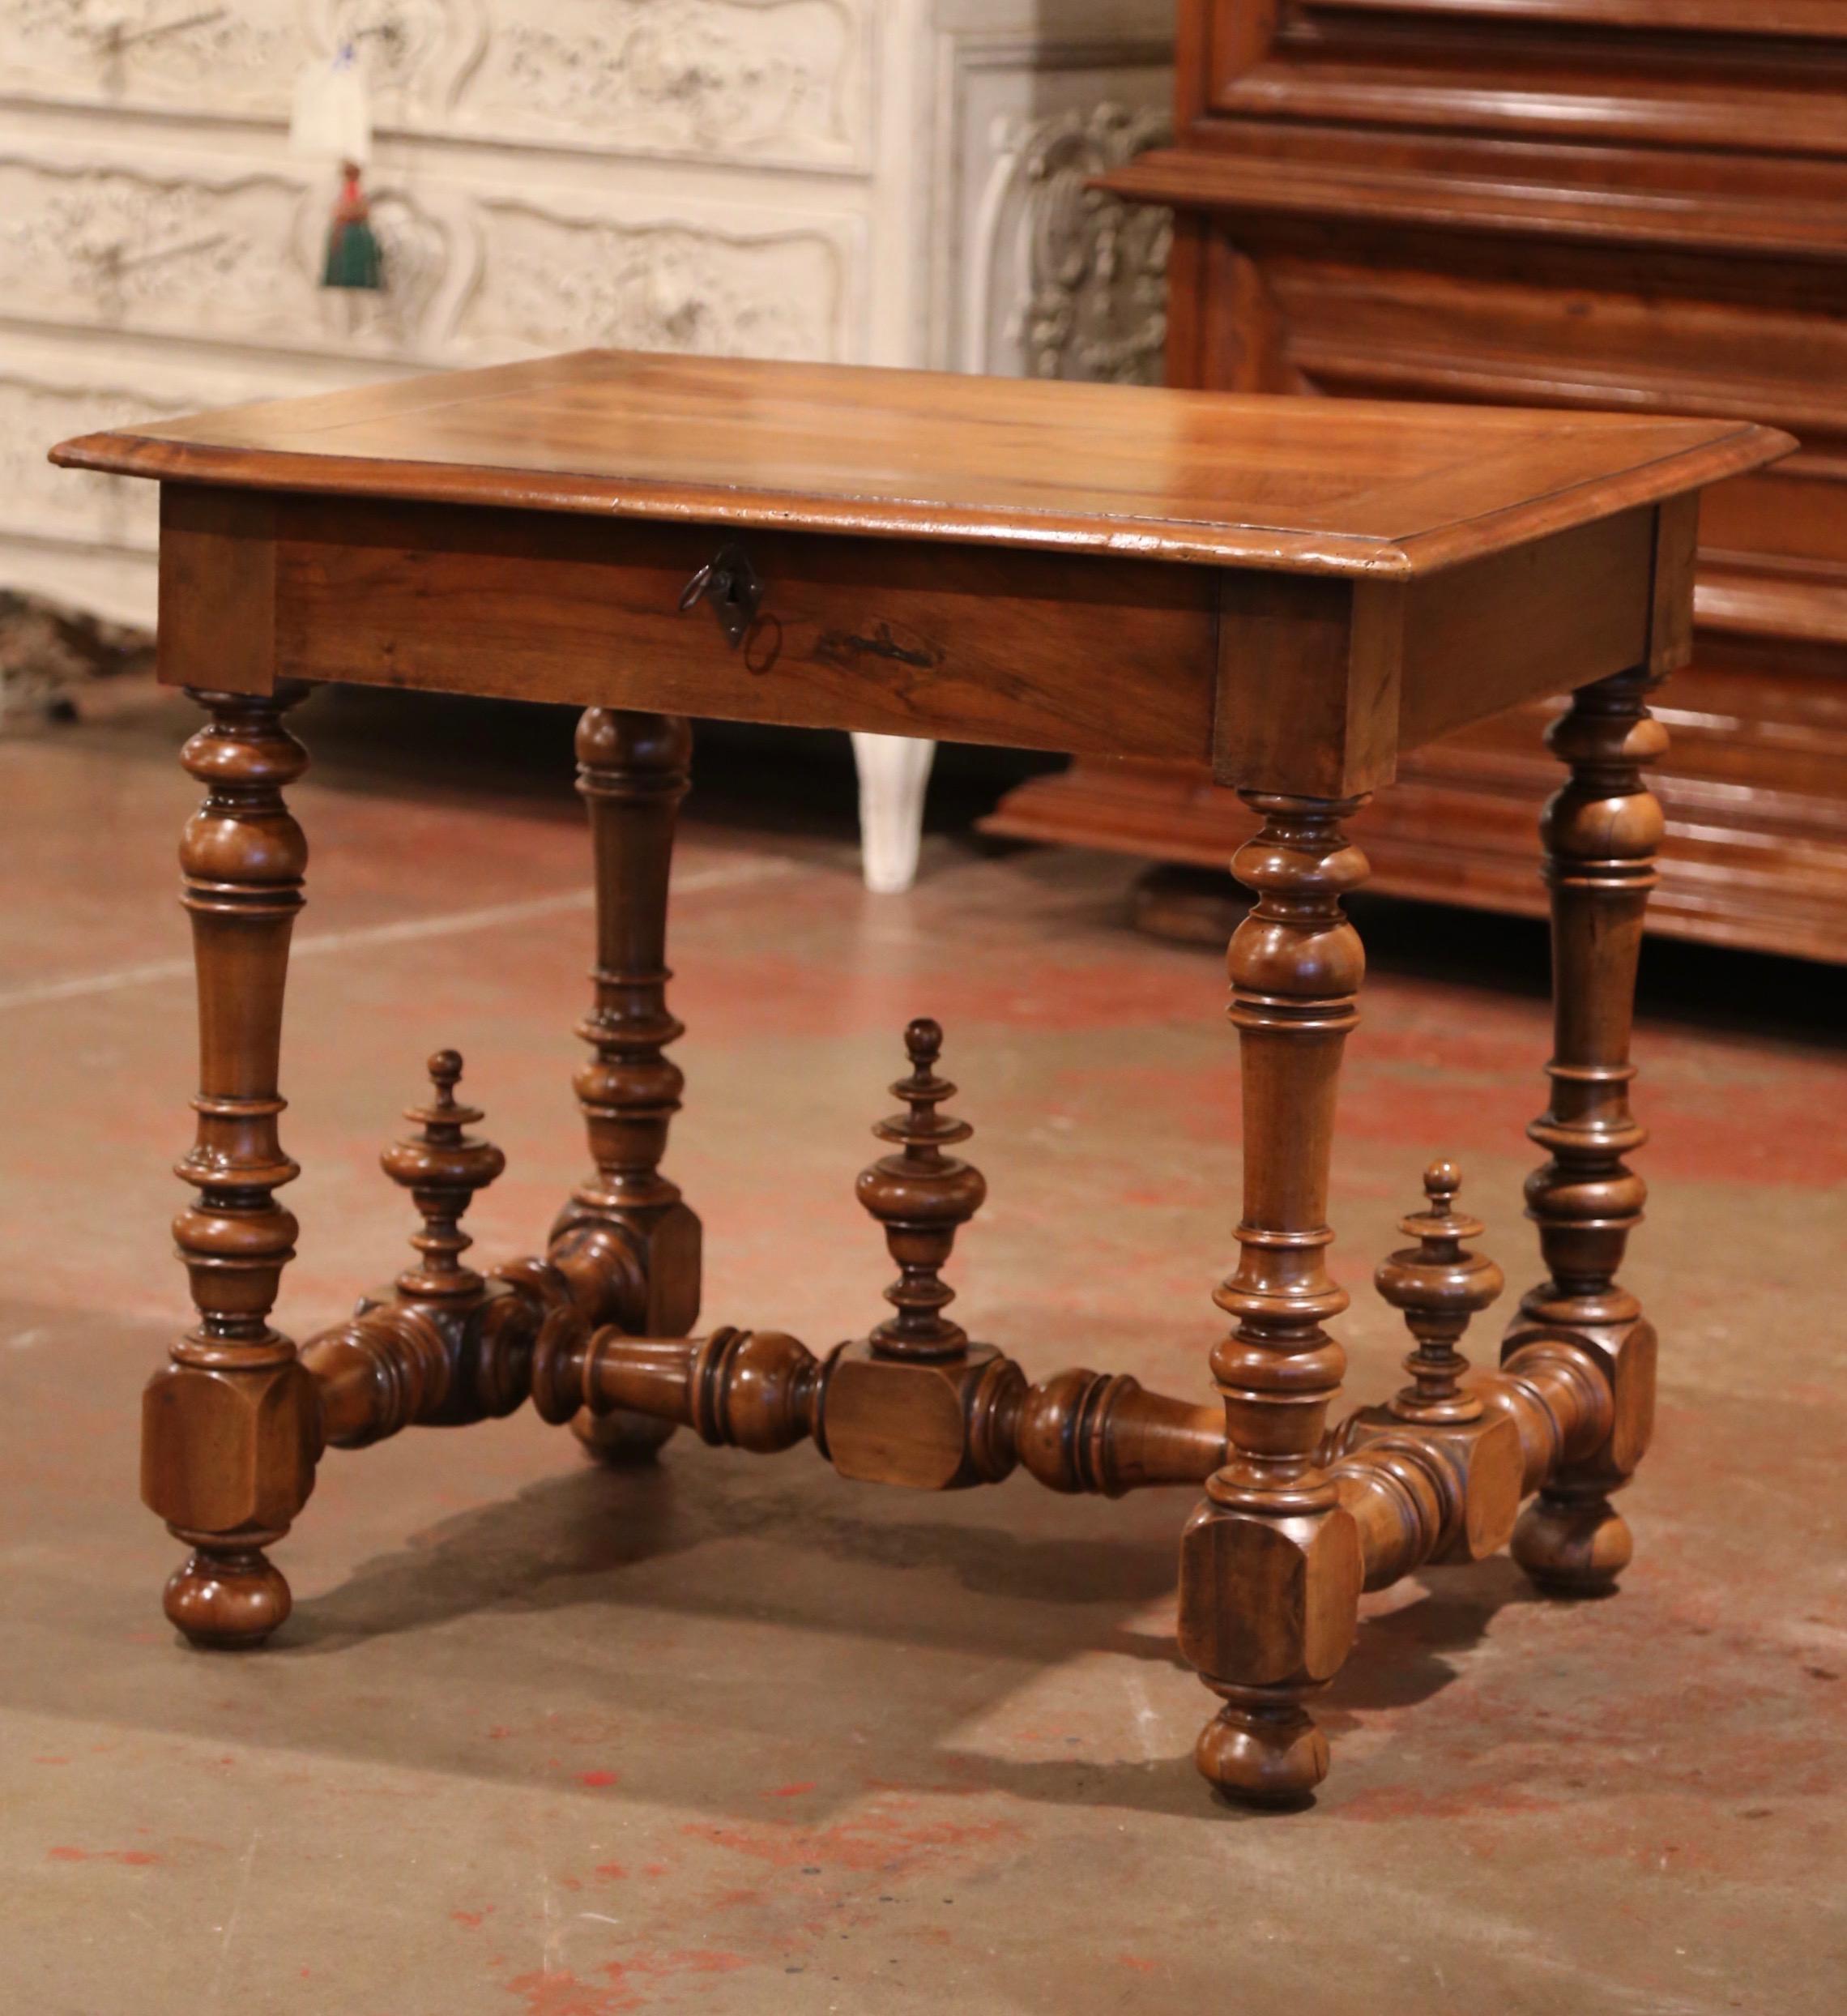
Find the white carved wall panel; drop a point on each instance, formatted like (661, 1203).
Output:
(557, 281)
(121, 248)
(770, 81)
(782, 81)
(37, 500)
(81, 538)
(1035, 273)
(889, 181)
(235, 258)
(155, 57)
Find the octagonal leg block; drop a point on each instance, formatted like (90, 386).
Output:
(642, 1272)
(1269, 1607)
(1476, 1473)
(936, 1426)
(228, 1460)
(1571, 1539)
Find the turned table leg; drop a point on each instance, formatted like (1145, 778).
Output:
(632, 772)
(229, 1429)
(1270, 1565)
(1601, 832)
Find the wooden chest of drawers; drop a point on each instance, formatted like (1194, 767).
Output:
(1639, 204)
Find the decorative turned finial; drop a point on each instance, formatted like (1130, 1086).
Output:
(1438, 1288)
(921, 1196)
(441, 1167)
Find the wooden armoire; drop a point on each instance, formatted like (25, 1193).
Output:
(1627, 203)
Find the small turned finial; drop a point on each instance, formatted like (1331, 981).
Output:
(1438, 1288)
(443, 1166)
(921, 1196)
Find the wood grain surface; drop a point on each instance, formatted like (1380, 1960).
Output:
(1356, 488)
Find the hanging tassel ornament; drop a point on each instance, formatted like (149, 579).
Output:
(353, 257)
(333, 121)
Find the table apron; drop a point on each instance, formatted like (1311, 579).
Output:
(1279, 682)
(1032, 650)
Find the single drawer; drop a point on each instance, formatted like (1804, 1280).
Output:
(1039, 651)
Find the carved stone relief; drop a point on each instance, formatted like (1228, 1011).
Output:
(235, 260)
(418, 54)
(37, 500)
(552, 282)
(1094, 293)
(467, 280)
(1063, 280)
(153, 52)
(724, 79)
(775, 81)
(128, 249)
(1032, 272)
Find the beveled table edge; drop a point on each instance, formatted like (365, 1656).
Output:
(1744, 447)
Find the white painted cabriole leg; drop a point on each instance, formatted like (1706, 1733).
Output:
(894, 770)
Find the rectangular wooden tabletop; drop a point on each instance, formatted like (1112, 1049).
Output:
(1352, 488)
(1290, 590)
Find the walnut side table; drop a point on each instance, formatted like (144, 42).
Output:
(1291, 590)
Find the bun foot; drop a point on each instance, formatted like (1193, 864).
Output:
(1263, 1757)
(228, 1601)
(1573, 1547)
(620, 1440)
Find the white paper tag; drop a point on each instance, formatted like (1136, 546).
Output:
(332, 118)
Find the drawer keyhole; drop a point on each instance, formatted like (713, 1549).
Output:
(734, 588)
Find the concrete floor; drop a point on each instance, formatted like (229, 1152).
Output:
(735, 1735)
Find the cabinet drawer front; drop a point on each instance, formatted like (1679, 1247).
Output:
(1032, 650)
(1654, 71)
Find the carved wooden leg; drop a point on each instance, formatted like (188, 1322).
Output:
(1270, 1565)
(229, 1430)
(1601, 832)
(632, 772)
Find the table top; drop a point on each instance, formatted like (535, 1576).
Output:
(1341, 487)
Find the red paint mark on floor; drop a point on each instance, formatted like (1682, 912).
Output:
(1134, 1962)
(597, 1779)
(789, 1791)
(546, 1993)
(473, 1920)
(690, 1960)
(880, 1839)
(1182, 1196)
(1466, 1802)
(613, 1870)
(130, 1858)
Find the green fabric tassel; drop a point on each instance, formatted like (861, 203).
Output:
(353, 257)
